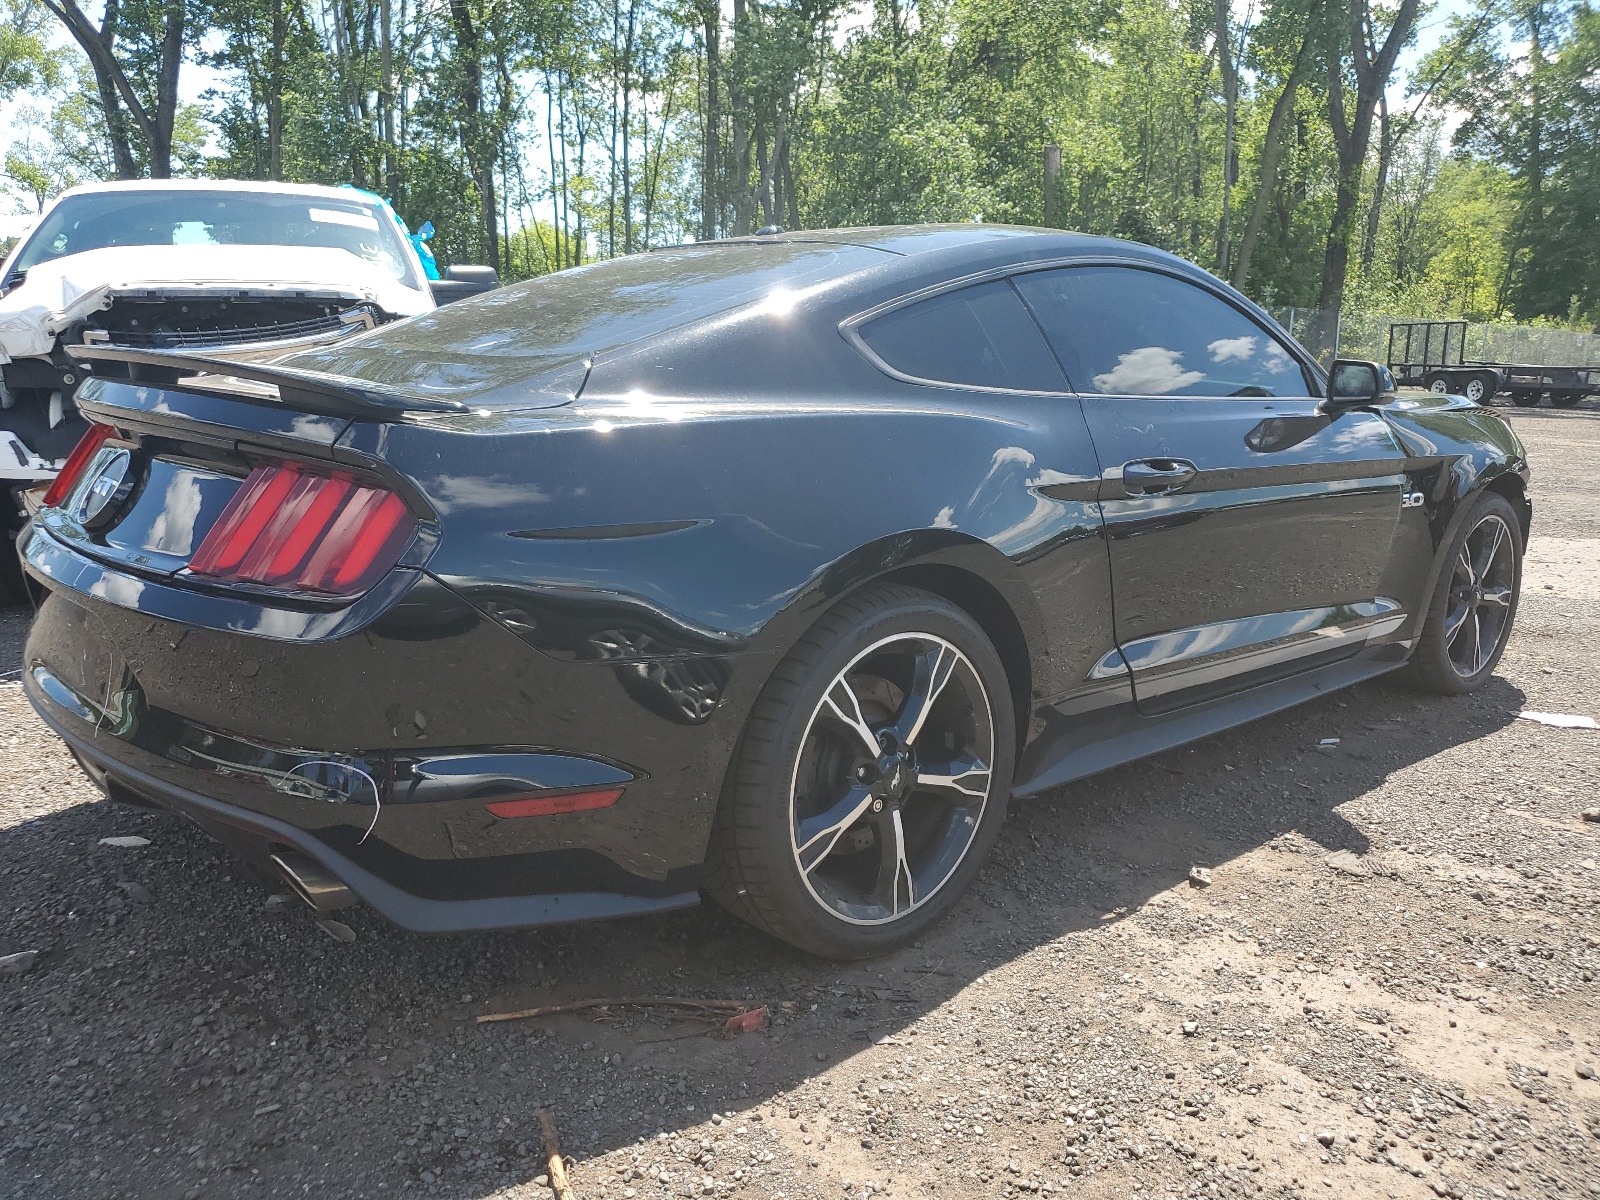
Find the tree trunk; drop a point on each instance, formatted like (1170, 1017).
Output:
(1369, 240)
(117, 97)
(280, 34)
(710, 198)
(740, 100)
(116, 123)
(1353, 133)
(1230, 103)
(788, 188)
(480, 153)
(505, 110)
(1271, 149)
(386, 93)
(627, 126)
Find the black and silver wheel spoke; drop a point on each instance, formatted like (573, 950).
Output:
(846, 707)
(965, 780)
(1482, 593)
(892, 778)
(934, 667)
(895, 888)
(1488, 548)
(815, 837)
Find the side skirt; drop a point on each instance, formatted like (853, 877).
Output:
(1072, 748)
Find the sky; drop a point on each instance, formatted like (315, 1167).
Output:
(195, 80)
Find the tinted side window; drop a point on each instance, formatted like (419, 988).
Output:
(980, 336)
(1123, 331)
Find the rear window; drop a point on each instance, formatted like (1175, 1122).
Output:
(979, 336)
(515, 332)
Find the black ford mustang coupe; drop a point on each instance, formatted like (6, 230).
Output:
(770, 568)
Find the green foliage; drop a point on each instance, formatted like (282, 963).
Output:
(1441, 249)
(28, 59)
(540, 134)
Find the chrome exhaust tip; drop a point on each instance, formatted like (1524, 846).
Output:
(312, 882)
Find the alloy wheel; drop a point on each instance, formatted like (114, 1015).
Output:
(1481, 591)
(892, 778)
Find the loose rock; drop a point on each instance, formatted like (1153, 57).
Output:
(16, 964)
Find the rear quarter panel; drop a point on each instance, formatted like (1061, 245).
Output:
(726, 484)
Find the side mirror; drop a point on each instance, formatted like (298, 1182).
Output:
(463, 281)
(1353, 383)
(484, 277)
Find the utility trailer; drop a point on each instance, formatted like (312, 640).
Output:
(1432, 355)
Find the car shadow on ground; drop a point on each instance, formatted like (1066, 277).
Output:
(1588, 408)
(206, 1008)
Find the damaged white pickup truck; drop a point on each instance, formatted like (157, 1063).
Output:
(224, 269)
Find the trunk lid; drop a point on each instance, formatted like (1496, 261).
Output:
(173, 461)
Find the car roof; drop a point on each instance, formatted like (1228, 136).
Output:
(957, 247)
(924, 239)
(135, 186)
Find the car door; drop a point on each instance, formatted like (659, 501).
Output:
(1247, 531)
(1026, 478)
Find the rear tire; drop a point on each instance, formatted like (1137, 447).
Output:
(1525, 399)
(1475, 602)
(848, 851)
(1566, 399)
(1439, 385)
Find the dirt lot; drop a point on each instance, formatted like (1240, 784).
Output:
(1414, 1016)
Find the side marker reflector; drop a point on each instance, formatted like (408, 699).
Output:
(546, 806)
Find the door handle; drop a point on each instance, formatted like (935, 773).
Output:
(1157, 476)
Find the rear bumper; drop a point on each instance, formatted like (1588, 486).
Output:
(211, 716)
(116, 765)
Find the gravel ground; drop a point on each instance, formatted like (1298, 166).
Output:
(1387, 990)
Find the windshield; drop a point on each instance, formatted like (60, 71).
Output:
(185, 216)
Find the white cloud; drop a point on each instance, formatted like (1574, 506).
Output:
(1227, 349)
(1147, 371)
(173, 530)
(452, 493)
(1276, 359)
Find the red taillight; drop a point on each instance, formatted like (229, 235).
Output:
(93, 438)
(290, 527)
(546, 806)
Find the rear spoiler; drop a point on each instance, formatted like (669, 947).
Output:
(298, 389)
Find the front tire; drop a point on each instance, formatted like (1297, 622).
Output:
(872, 777)
(1475, 602)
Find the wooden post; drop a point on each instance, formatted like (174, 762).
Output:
(1052, 182)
